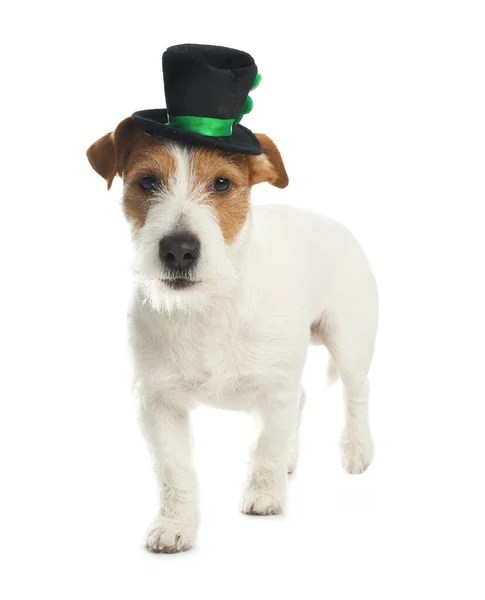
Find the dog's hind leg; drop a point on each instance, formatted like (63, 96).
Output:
(349, 335)
(294, 450)
(356, 443)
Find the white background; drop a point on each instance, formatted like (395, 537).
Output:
(379, 111)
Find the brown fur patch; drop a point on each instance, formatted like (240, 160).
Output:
(133, 154)
(151, 160)
(109, 155)
(232, 207)
(268, 166)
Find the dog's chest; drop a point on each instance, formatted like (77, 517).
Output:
(222, 362)
(219, 361)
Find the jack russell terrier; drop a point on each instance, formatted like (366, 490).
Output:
(228, 296)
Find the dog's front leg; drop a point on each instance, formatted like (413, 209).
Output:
(266, 487)
(166, 429)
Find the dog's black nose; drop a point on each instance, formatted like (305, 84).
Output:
(179, 252)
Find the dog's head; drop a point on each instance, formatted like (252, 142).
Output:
(187, 207)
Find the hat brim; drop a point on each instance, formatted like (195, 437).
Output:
(154, 122)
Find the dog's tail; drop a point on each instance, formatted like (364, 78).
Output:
(332, 372)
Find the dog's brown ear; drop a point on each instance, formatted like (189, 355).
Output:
(109, 154)
(269, 165)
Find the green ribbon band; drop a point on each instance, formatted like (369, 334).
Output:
(203, 125)
(210, 126)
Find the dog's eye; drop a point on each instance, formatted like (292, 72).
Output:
(221, 185)
(149, 184)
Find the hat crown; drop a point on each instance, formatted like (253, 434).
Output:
(207, 81)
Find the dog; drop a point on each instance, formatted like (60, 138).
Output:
(227, 299)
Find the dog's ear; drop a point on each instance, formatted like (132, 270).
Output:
(110, 153)
(269, 165)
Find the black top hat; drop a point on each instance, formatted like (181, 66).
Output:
(206, 90)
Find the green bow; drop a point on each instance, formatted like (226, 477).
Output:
(214, 127)
(248, 103)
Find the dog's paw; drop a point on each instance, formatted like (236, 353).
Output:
(169, 536)
(261, 502)
(357, 451)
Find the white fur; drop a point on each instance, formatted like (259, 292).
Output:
(238, 339)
